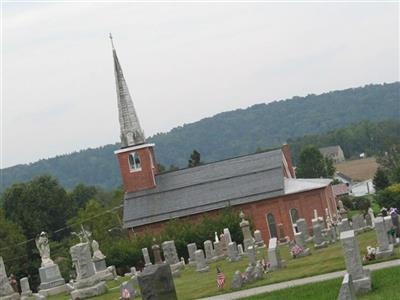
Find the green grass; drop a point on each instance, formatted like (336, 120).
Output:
(193, 285)
(384, 283)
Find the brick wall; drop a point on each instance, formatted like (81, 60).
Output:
(138, 180)
(304, 202)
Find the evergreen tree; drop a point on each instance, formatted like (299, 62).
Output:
(194, 159)
(313, 165)
(381, 181)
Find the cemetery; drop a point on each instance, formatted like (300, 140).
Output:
(271, 262)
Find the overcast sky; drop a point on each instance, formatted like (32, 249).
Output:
(182, 62)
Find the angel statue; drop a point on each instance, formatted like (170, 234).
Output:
(42, 243)
(97, 254)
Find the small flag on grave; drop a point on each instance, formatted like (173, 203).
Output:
(220, 278)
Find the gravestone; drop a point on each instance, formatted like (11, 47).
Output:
(361, 277)
(331, 235)
(233, 254)
(388, 226)
(218, 250)
(201, 265)
(303, 228)
(156, 283)
(396, 222)
(87, 284)
(170, 254)
(224, 245)
(252, 254)
(299, 238)
(273, 254)
(358, 223)
(245, 226)
(347, 291)
(128, 285)
(208, 248)
(227, 236)
(192, 247)
(237, 281)
(99, 261)
(319, 241)
(6, 291)
(371, 217)
(240, 250)
(157, 254)
(258, 239)
(344, 225)
(385, 248)
(25, 287)
(146, 256)
(281, 233)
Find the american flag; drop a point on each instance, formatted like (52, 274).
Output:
(220, 278)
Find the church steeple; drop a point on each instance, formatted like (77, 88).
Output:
(131, 132)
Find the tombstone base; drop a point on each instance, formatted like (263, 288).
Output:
(233, 259)
(50, 279)
(14, 296)
(27, 294)
(92, 291)
(105, 275)
(205, 269)
(384, 253)
(280, 265)
(320, 246)
(347, 289)
(363, 285)
(192, 263)
(53, 291)
(306, 252)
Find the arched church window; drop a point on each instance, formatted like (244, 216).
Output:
(134, 161)
(272, 225)
(294, 216)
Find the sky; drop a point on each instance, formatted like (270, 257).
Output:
(182, 62)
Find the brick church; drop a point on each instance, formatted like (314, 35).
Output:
(262, 185)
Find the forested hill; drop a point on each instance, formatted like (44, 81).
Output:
(227, 134)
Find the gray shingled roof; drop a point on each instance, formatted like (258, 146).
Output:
(330, 150)
(208, 187)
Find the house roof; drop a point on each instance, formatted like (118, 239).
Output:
(330, 150)
(207, 187)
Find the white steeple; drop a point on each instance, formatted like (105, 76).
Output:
(131, 132)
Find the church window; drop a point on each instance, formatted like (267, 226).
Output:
(134, 162)
(272, 225)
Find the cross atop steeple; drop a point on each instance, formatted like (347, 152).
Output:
(131, 132)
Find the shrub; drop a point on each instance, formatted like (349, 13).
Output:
(362, 204)
(389, 197)
(347, 202)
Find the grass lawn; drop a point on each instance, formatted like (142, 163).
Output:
(193, 285)
(384, 284)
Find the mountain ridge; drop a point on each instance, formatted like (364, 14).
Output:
(226, 134)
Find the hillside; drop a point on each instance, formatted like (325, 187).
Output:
(358, 169)
(227, 134)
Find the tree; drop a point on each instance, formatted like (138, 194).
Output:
(390, 162)
(389, 197)
(12, 248)
(194, 159)
(313, 165)
(81, 194)
(381, 181)
(39, 205)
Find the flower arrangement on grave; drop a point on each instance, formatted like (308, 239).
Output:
(296, 250)
(266, 265)
(370, 255)
(392, 232)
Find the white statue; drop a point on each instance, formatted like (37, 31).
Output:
(42, 243)
(97, 254)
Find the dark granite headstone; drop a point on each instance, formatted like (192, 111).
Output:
(156, 283)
